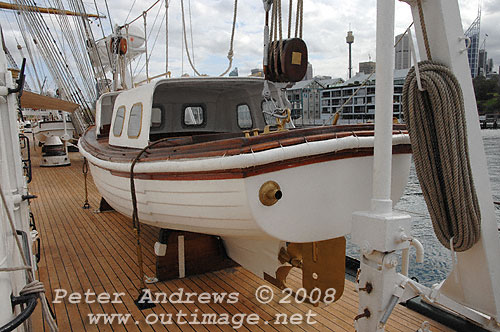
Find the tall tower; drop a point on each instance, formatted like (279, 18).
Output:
(349, 40)
(402, 52)
(473, 33)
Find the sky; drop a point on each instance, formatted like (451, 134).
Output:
(326, 24)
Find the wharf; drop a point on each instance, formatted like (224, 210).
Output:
(82, 250)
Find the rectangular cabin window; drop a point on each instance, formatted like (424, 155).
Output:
(194, 116)
(244, 117)
(135, 121)
(155, 117)
(119, 119)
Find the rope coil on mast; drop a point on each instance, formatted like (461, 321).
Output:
(438, 133)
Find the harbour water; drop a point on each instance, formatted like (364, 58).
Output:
(437, 261)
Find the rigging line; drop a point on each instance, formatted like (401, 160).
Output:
(138, 17)
(403, 34)
(100, 20)
(87, 38)
(154, 22)
(44, 35)
(49, 56)
(301, 18)
(147, 38)
(130, 11)
(10, 24)
(83, 34)
(230, 53)
(31, 27)
(348, 99)
(185, 39)
(297, 19)
(167, 4)
(290, 18)
(146, 45)
(154, 43)
(30, 54)
(105, 44)
(109, 15)
(77, 51)
(191, 32)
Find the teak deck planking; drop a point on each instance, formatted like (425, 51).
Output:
(82, 249)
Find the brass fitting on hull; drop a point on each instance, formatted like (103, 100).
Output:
(270, 193)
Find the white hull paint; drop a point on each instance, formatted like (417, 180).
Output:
(317, 204)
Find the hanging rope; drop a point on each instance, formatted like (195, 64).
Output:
(135, 213)
(230, 53)
(85, 171)
(424, 30)
(436, 123)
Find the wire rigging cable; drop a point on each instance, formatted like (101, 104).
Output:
(436, 122)
(54, 59)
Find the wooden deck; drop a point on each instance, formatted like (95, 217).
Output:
(83, 250)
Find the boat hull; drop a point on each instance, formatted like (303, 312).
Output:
(317, 203)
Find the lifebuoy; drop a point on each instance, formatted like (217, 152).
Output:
(119, 45)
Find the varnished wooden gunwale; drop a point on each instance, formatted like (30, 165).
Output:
(217, 145)
(239, 173)
(205, 146)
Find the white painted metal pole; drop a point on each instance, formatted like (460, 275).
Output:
(381, 195)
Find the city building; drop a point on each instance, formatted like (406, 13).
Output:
(305, 99)
(367, 67)
(360, 106)
(489, 66)
(309, 72)
(402, 52)
(473, 33)
(482, 65)
(257, 72)
(234, 72)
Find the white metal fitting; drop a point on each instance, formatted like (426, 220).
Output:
(390, 261)
(381, 231)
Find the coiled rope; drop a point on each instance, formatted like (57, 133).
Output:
(436, 123)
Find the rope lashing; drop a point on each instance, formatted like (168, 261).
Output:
(135, 214)
(438, 133)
